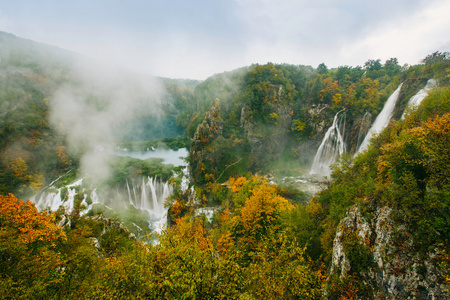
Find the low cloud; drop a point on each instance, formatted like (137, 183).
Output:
(409, 38)
(92, 109)
(180, 40)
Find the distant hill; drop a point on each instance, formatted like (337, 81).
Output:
(378, 226)
(57, 105)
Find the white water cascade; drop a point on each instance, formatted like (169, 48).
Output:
(150, 196)
(331, 148)
(382, 119)
(415, 100)
(53, 198)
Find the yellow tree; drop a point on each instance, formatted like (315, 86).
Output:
(262, 210)
(271, 262)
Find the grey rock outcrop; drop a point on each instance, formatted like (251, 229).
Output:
(268, 139)
(398, 271)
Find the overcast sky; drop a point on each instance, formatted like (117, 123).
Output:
(198, 38)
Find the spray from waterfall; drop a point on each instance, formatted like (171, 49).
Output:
(415, 100)
(61, 197)
(382, 119)
(148, 194)
(331, 148)
(153, 193)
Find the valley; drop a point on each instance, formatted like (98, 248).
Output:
(271, 181)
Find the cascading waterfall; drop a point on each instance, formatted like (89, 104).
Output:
(331, 148)
(56, 198)
(151, 198)
(382, 119)
(155, 205)
(185, 180)
(144, 201)
(415, 100)
(148, 194)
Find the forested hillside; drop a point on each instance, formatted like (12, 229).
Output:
(30, 148)
(56, 106)
(239, 223)
(281, 112)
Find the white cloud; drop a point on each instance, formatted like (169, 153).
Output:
(410, 38)
(196, 41)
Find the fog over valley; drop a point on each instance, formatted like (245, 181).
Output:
(237, 149)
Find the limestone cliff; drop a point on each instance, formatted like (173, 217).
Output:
(268, 138)
(203, 155)
(384, 257)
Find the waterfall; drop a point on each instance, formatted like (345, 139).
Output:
(185, 180)
(331, 148)
(155, 205)
(415, 100)
(148, 194)
(129, 192)
(54, 198)
(151, 198)
(144, 199)
(382, 119)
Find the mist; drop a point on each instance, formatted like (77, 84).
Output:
(91, 111)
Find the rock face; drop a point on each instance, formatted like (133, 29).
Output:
(203, 155)
(316, 113)
(268, 139)
(211, 127)
(395, 271)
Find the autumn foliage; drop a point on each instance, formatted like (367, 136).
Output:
(28, 249)
(257, 244)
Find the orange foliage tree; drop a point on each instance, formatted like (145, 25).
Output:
(29, 240)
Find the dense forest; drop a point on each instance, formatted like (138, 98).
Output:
(239, 224)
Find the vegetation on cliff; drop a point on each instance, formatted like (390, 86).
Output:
(233, 234)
